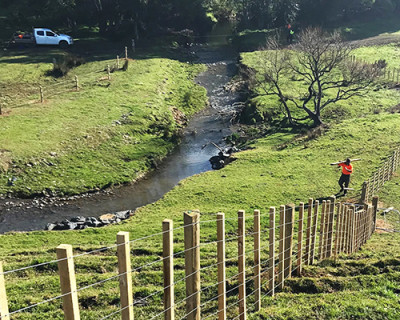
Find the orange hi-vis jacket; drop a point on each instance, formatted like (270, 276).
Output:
(346, 169)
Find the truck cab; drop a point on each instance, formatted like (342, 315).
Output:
(45, 36)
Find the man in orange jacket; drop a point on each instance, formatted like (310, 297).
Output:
(347, 170)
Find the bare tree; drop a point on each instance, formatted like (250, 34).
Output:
(322, 62)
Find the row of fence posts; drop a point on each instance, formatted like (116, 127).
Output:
(392, 75)
(378, 179)
(76, 79)
(354, 226)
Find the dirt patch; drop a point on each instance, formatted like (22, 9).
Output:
(382, 224)
(179, 116)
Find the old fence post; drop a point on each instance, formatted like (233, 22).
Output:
(76, 83)
(126, 53)
(117, 62)
(281, 279)
(242, 265)
(66, 270)
(257, 261)
(308, 231)
(289, 228)
(41, 94)
(108, 72)
(192, 265)
(375, 201)
(4, 313)
(314, 232)
(300, 240)
(221, 266)
(271, 266)
(125, 275)
(168, 269)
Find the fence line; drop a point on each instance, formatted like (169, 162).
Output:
(331, 229)
(380, 176)
(46, 91)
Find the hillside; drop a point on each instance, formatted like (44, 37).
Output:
(284, 166)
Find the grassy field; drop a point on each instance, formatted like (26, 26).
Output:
(108, 132)
(282, 167)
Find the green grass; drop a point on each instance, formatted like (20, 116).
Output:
(92, 149)
(378, 99)
(280, 168)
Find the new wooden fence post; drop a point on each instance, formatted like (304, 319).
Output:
(125, 278)
(117, 62)
(66, 270)
(126, 53)
(289, 224)
(330, 226)
(242, 264)
(192, 265)
(76, 83)
(281, 279)
(41, 94)
(352, 228)
(338, 230)
(322, 231)
(271, 265)
(326, 229)
(314, 232)
(375, 201)
(4, 313)
(257, 261)
(308, 231)
(168, 269)
(300, 240)
(221, 266)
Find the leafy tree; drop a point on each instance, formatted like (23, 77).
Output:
(322, 61)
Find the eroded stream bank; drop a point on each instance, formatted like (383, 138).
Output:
(189, 158)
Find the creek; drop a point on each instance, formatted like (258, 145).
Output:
(190, 157)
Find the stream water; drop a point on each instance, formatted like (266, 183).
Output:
(189, 158)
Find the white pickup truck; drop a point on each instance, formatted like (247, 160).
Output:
(42, 36)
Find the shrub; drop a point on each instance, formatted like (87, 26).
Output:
(67, 63)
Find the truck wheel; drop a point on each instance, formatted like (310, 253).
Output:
(63, 44)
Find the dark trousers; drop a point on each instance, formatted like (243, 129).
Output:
(344, 180)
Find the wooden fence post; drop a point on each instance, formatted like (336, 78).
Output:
(257, 261)
(375, 201)
(221, 266)
(281, 280)
(352, 229)
(41, 94)
(76, 83)
(271, 282)
(326, 229)
(108, 72)
(4, 313)
(300, 240)
(242, 264)
(289, 225)
(308, 231)
(66, 271)
(314, 232)
(117, 62)
(192, 265)
(364, 193)
(322, 231)
(332, 207)
(125, 278)
(338, 230)
(126, 53)
(168, 269)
